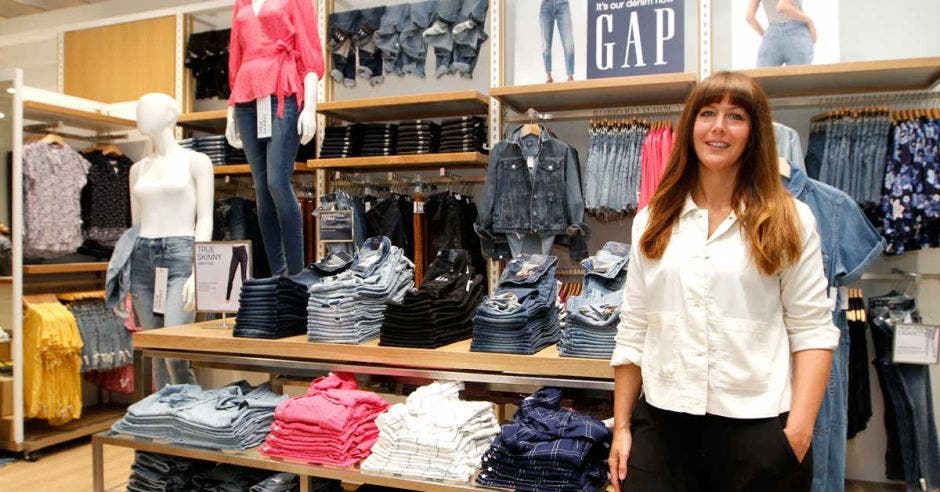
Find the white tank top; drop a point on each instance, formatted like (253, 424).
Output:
(166, 197)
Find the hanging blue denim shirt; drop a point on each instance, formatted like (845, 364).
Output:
(849, 244)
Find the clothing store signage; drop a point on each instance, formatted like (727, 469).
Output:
(336, 226)
(916, 343)
(635, 37)
(221, 269)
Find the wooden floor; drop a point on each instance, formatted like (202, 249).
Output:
(67, 468)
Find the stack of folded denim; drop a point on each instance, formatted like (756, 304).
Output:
(441, 311)
(548, 448)
(236, 416)
(456, 35)
(349, 307)
(342, 141)
(379, 139)
(521, 317)
(153, 472)
(418, 137)
(333, 424)
(276, 307)
(433, 435)
(464, 134)
(592, 320)
(229, 478)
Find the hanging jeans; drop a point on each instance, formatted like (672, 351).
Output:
(272, 165)
(785, 43)
(239, 262)
(176, 255)
(559, 13)
(912, 453)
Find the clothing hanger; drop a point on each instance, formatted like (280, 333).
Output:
(531, 128)
(53, 138)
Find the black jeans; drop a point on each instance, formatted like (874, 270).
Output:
(239, 259)
(689, 453)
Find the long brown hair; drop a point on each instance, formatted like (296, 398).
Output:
(765, 208)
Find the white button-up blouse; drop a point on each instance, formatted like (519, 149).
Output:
(711, 333)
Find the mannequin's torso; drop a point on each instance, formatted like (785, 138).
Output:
(164, 191)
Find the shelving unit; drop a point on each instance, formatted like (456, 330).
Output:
(55, 268)
(597, 93)
(245, 170)
(440, 104)
(99, 122)
(252, 458)
(40, 435)
(849, 77)
(404, 162)
(207, 121)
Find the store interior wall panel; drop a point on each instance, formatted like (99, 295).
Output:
(38, 59)
(121, 62)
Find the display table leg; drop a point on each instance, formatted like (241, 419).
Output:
(97, 465)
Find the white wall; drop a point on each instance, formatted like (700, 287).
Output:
(38, 59)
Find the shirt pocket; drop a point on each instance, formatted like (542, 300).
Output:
(511, 186)
(743, 358)
(552, 181)
(659, 360)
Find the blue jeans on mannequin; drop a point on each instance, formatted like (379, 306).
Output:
(559, 12)
(176, 255)
(272, 165)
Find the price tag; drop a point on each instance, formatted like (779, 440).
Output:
(844, 298)
(916, 343)
(419, 207)
(160, 276)
(264, 116)
(833, 298)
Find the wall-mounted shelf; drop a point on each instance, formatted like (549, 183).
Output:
(49, 113)
(440, 104)
(403, 162)
(54, 268)
(245, 170)
(39, 434)
(252, 458)
(849, 77)
(207, 121)
(598, 93)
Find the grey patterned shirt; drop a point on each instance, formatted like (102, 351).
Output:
(53, 178)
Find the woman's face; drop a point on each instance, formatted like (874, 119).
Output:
(720, 135)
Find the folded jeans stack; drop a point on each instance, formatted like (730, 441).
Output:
(342, 141)
(594, 315)
(349, 307)
(441, 311)
(418, 137)
(433, 435)
(548, 448)
(333, 424)
(464, 134)
(379, 139)
(153, 472)
(236, 416)
(521, 317)
(276, 307)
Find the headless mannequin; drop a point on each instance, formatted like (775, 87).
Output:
(159, 211)
(306, 120)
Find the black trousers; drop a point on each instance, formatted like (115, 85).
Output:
(680, 452)
(239, 259)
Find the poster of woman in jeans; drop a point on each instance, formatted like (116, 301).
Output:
(557, 31)
(773, 33)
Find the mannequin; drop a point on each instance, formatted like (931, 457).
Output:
(275, 57)
(172, 202)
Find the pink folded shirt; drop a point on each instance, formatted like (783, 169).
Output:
(271, 52)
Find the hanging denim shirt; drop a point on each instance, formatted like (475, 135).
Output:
(849, 244)
(543, 200)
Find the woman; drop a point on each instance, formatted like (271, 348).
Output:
(790, 34)
(725, 304)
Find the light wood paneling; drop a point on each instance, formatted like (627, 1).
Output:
(121, 62)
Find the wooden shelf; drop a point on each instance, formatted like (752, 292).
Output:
(847, 78)
(403, 162)
(5, 350)
(38, 434)
(50, 113)
(54, 268)
(254, 459)
(207, 121)
(244, 170)
(598, 93)
(208, 338)
(410, 107)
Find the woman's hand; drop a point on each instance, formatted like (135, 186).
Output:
(800, 440)
(619, 454)
(812, 31)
